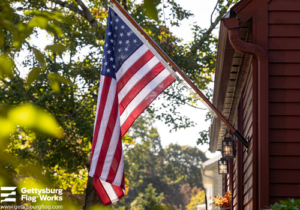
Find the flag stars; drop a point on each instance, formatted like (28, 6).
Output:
(120, 42)
(105, 63)
(116, 27)
(126, 49)
(108, 70)
(135, 41)
(120, 50)
(121, 34)
(109, 33)
(122, 26)
(111, 40)
(106, 45)
(108, 51)
(129, 33)
(117, 20)
(111, 58)
(114, 66)
(127, 41)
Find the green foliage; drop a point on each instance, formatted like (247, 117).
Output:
(46, 119)
(198, 199)
(289, 204)
(173, 171)
(148, 200)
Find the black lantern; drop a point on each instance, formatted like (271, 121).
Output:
(228, 150)
(223, 166)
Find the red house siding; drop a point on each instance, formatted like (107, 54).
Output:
(284, 99)
(247, 124)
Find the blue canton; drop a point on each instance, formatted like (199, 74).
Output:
(120, 43)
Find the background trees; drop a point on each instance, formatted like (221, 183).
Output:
(63, 80)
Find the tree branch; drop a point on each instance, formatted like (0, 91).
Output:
(213, 25)
(84, 11)
(69, 6)
(88, 14)
(211, 16)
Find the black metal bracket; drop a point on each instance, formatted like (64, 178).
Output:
(241, 138)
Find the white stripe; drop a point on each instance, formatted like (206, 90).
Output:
(110, 191)
(112, 148)
(8, 194)
(98, 100)
(9, 200)
(131, 60)
(119, 175)
(104, 122)
(8, 188)
(137, 77)
(143, 94)
(143, 39)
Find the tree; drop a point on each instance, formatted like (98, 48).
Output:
(196, 200)
(184, 162)
(66, 86)
(148, 200)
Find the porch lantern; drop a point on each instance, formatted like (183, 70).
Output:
(223, 166)
(228, 148)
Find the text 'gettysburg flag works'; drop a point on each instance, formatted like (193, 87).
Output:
(132, 76)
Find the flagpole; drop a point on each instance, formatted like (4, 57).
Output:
(181, 73)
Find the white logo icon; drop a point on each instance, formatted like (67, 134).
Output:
(8, 191)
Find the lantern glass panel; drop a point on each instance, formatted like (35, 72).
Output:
(223, 166)
(228, 148)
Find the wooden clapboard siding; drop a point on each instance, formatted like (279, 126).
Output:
(284, 99)
(235, 181)
(247, 127)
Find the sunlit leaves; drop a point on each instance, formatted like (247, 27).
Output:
(151, 10)
(127, 140)
(56, 79)
(33, 75)
(6, 65)
(57, 48)
(32, 117)
(41, 22)
(39, 57)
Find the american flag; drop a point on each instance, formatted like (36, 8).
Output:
(132, 76)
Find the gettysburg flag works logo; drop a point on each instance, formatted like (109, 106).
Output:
(7, 193)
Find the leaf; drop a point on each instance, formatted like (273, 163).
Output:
(57, 48)
(39, 56)
(54, 82)
(56, 78)
(6, 66)
(33, 117)
(41, 22)
(6, 127)
(151, 10)
(33, 75)
(127, 139)
(1, 38)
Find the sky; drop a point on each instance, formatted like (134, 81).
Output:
(202, 11)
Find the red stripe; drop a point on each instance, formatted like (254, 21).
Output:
(115, 162)
(146, 102)
(101, 192)
(123, 181)
(107, 137)
(101, 106)
(140, 86)
(118, 191)
(133, 69)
